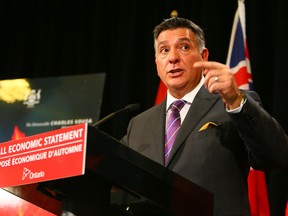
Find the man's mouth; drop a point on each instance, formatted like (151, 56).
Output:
(174, 71)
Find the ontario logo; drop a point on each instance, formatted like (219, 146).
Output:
(28, 174)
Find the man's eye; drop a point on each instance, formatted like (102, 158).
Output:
(164, 50)
(185, 47)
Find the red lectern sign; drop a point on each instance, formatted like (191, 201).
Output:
(42, 157)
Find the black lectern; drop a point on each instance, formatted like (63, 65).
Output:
(112, 166)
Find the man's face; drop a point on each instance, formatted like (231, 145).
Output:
(176, 52)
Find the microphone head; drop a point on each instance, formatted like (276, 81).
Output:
(132, 107)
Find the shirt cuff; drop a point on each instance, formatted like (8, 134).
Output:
(238, 109)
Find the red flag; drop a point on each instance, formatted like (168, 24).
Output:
(161, 93)
(239, 62)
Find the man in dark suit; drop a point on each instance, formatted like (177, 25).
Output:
(224, 130)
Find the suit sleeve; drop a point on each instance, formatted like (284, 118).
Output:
(263, 136)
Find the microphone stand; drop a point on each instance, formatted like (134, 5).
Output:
(130, 107)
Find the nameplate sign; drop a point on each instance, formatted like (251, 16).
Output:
(47, 156)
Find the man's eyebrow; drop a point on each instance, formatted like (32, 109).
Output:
(162, 42)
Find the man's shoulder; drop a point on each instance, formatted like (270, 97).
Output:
(154, 110)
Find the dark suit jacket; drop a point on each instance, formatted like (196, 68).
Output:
(219, 157)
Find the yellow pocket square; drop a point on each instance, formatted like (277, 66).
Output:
(208, 125)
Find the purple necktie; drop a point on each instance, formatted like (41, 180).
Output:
(172, 126)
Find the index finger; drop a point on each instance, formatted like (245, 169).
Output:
(208, 64)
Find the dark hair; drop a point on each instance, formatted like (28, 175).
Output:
(177, 22)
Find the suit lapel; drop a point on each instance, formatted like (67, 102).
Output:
(201, 105)
(157, 126)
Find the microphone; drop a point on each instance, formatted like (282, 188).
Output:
(129, 107)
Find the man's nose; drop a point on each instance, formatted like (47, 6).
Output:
(173, 56)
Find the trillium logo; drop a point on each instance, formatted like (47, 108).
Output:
(26, 172)
(32, 175)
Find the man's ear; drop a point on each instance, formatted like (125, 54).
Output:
(205, 54)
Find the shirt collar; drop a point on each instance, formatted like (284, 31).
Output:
(189, 97)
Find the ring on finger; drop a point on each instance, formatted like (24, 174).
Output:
(216, 79)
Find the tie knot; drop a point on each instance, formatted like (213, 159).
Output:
(177, 105)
